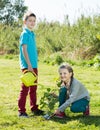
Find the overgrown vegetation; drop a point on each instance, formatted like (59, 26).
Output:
(80, 41)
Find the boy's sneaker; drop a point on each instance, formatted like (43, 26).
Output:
(60, 115)
(87, 112)
(38, 112)
(25, 115)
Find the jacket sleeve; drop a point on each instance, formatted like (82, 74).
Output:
(71, 99)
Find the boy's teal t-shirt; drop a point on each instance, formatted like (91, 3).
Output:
(28, 37)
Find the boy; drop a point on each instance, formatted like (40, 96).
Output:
(28, 60)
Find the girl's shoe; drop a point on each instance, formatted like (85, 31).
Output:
(60, 115)
(87, 112)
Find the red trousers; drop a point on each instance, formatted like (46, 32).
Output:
(32, 95)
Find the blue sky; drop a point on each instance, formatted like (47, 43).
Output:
(55, 10)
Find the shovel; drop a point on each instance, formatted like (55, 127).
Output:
(47, 117)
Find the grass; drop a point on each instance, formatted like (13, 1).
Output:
(9, 92)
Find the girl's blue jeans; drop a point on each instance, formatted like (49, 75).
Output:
(77, 106)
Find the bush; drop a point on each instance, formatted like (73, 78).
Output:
(53, 59)
(59, 60)
(95, 62)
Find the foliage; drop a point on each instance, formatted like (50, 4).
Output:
(77, 41)
(47, 101)
(57, 42)
(11, 10)
(53, 59)
(9, 41)
(95, 62)
(58, 82)
(59, 60)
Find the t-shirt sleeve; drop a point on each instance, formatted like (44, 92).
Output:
(24, 39)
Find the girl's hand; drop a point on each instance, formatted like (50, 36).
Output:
(62, 84)
(57, 112)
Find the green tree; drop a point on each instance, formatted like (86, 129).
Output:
(11, 10)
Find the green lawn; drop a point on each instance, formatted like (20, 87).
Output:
(9, 92)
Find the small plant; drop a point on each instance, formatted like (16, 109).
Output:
(59, 59)
(48, 101)
(58, 82)
(54, 59)
(98, 36)
(97, 62)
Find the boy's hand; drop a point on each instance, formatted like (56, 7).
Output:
(30, 69)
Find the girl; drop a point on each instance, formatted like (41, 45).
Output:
(72, 93)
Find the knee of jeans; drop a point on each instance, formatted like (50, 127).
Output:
(73, 108)
(63, 90)
(32, 89)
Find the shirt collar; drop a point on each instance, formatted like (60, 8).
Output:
(29, 31)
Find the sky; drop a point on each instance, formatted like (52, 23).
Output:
(56, 10)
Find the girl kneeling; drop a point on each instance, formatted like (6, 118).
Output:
(72, 93)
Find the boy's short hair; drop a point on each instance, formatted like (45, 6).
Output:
(27, 15)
